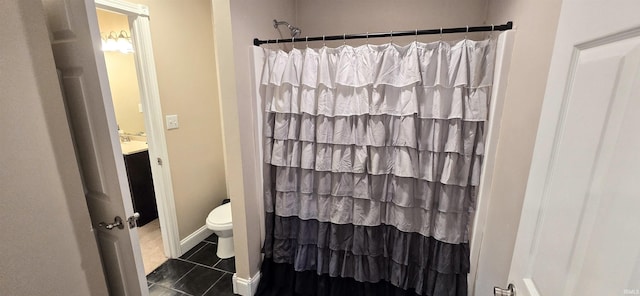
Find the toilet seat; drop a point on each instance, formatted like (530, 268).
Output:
(220, 217)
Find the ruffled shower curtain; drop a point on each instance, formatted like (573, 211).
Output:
(372, 156)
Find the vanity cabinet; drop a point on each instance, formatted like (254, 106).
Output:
(141, 186)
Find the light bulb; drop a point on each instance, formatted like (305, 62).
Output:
(124, 43)
(111, 45)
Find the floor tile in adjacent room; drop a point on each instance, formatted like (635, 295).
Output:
(196, 273)
(223, 287)
(198, 280)
(228, 265)
(193, 250)
(170, 272)
(157, 290)
(206, 255)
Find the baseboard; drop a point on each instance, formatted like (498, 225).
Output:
(195, 238)
(245, 287)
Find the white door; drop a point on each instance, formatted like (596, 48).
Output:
(75, 39)
(580, 228)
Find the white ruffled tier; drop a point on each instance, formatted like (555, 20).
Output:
(426, 102)
(446, 167)
(378, 135)
(466, 63)
(435, 80)
(435, 135)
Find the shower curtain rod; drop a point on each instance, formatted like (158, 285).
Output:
(503, 27)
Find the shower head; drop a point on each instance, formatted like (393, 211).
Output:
(295, 31)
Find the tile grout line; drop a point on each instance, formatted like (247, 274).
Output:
(196, 251)
(219, 279)
(185, 274)
(195, 264)
(201, 265)
(209, 267)
(180, 291)
(214, 264)
(179, 280)
(225, 271)
(218, 268)
(172, 289)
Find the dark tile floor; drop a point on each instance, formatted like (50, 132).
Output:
(199, 272)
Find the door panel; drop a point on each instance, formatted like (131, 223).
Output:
(580, 231)
(76, 45)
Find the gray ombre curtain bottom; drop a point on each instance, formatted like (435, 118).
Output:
(372, 158)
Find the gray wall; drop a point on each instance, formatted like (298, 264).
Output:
(337, 17)
(46, 244)
(236, 23)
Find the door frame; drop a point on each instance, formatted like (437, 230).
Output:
(153, 119)
(504, 49)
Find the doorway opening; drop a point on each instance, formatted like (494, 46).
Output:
(123, 82)
(126, 45)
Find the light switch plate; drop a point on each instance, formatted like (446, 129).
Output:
(172, 122)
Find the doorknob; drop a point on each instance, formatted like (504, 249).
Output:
(117, 222)
(509, 291)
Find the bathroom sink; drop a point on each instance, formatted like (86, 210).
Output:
(132, 147)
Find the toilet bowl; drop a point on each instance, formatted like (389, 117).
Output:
(219, 220)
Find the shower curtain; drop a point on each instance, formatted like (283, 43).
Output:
(372, 158)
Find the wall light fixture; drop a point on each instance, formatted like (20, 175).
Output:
(117, 42)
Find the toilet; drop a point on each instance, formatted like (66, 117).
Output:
(219, 220)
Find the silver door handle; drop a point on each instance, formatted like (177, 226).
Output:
(509, 291)
(117, 222)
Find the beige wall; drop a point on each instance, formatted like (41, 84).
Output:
(181, 32)
(336, 17)
(236, 24)
(123, 80)
(536, 23)
(46, 242)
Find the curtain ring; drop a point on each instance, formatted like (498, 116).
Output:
(344, 39)
(323, 41)
(293, 42)
(367, 38)
(416, 35)
(306, 40)
(491, 33)
(467, 32)
(391, 41)
(440, 33)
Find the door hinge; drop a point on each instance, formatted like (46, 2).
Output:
(159, 161)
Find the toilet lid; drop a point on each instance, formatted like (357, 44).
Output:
(220, 215)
